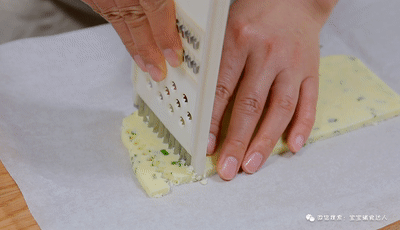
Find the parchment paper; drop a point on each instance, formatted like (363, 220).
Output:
(62, 100)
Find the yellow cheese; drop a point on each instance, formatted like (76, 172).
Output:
(151, 159)
(151, 181)
(154, 164)
(350, 96)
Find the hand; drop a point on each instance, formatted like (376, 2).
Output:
(148, 30)
(274, 45)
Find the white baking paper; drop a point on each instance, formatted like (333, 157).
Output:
(62, 100)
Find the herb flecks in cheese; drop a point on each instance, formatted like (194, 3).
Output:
(350, 97)
(154, 164)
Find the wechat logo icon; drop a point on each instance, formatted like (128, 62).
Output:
(310, 218)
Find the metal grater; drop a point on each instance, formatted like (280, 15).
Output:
(180, 107)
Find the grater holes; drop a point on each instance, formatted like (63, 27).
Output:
(196, 69)
(178, 103)
(187, 59)
(149, 84)
(174, 86)
(160, 96)
(182, 121)
(171, 108)
(189, 116)
(183, 30)
(196, 44)
(191, 63)
(167, 91)
(187, 35)
(185, 99)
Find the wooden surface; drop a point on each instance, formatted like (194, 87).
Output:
(393, 226)
(14, 213)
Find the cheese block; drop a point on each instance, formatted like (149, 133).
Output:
(350, 96)
(155, 165)
(151, 180)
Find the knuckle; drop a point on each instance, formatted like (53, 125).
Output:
(236, 143)
(133, 15)
(286, 104)
(308, 119)
(250, 104)
(143, 51)
(129, 44)
(111, 15)
(266, 141)
(242, 31)
(222, 91)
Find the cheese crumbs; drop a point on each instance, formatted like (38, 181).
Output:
(155, 165)
(350, 97)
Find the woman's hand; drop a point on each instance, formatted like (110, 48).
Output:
(271, 56)
(148, 30)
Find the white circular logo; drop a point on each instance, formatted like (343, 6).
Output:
(310, 218)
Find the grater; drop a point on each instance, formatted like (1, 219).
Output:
(179, 108)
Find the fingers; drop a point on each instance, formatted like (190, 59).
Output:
(281, 106)
(141, 18)
(139, 27)
(161, 16)
(304, 117)
(232, 63)
(134, 21)
(248, 106)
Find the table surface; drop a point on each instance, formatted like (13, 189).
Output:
(14, 213)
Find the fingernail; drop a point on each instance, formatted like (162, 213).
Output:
(253, 163)
(173, 57)
(155, 72)
(229, 168)
(299, 142)
(211, 144)
(140, 62)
